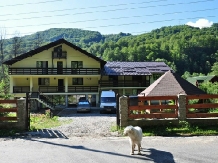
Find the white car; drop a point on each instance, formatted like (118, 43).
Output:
(83, 106)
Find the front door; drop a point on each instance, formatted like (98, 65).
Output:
(60, 85)
(59, 67)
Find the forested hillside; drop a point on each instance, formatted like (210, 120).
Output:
(184, 48)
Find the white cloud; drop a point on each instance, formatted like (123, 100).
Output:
(201, 23)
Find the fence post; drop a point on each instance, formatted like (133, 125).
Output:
(123, 107)
(21, 113)
(117, 110)
(182, 107)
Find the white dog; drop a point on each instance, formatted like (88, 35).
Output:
(135, 137)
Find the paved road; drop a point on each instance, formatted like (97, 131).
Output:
(108, 150)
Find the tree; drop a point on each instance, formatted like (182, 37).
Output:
(16, 44)
(215, 68)
(2, 39)
(38, 40)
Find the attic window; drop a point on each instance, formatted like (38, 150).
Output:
(58, 50)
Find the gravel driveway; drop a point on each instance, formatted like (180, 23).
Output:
(91, 124)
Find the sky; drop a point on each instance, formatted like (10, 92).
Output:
(25, 17)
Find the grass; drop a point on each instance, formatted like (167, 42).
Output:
(43, 121)
(183, 129)
(37, 121)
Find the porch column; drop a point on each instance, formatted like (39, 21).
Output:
(123, 91)
(66, 84)
(11, 84)
(97, 100)
(31, 84)
(66, 90)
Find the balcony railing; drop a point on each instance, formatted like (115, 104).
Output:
(83, 89)
(54, 71)
(51, 89)
(124, 83)
(21, 89)
(59, 55)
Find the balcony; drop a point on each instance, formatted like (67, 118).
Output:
(59, 55)
(54, 71)
(123, 83)
(56, 89)
(21, 89)
(83, 89)
(73, 89)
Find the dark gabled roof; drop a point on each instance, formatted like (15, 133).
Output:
(170, 84)
(50, 45)
(134, 68)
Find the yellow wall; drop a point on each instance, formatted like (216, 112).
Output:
(128, 77)
(21, 82)
(46, 55)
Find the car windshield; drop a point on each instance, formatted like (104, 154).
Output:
(108, 99)
(83, 103)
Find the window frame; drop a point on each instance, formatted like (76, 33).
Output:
(77, 81)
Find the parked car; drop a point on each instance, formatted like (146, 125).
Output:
(108, 102)
(82, 99)
(83, 106)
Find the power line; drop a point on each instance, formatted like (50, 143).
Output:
(47, 16)
(20, 4)
(92, 20)
(93, 7)
(120, 9)
(133, 23)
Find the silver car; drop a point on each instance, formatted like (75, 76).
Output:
(83, 106)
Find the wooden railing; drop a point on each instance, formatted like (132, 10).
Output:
(203, 106)
(54, 89)
(54, 71)
(4, 111)
(124, 83)
(21, 89)
(158, 107)
(50, 89)
(83, 89)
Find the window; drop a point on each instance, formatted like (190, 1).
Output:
(136, 78)
(77, 81)
(76, 64)
(58, 50)
(42, 67)
(156, 76)
(41, 64)
(43, 81)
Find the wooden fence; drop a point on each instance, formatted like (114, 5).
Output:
(162, 107)
(205, 103)
(4, 112)
(157, 107)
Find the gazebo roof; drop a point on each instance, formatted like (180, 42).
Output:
(170, 84)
